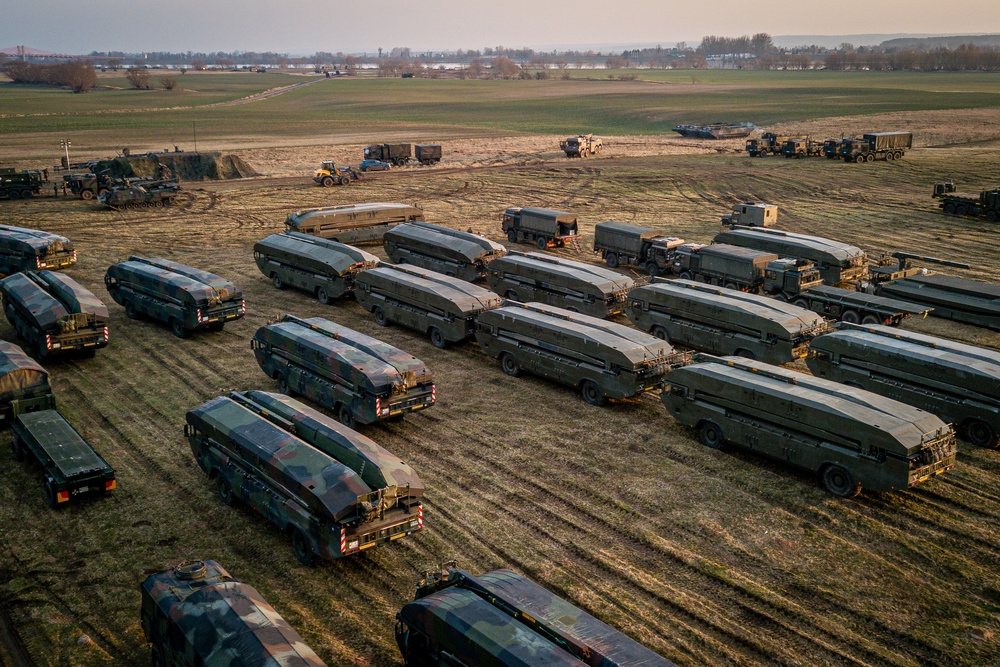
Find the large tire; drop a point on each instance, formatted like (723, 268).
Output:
(870, 157)
(961, 210)
(86, 195)
(323, 296)
(711, 435)
(13, 194)
(992, 216)
(839, 481)
(512, 236)
(17, 449)
(381, 318)
(686, 275)
(277, 281)
(870, 319)
(131, 312)
(592, 392)
(224, 490)
(327, 181)
(652, 268)
(660, 333)
(801, 302)
(897, 154)
(50, 495)
(345, 416)
(859, 159)
(284, 387)
(510, 365)
(177, 327)
(850, 316)
(949, 208)
(611, 259)
(511, 295)
(437, 338)
(980, 433)
(889, 157)
(344, 180)
(731, 285)
(746, 354)
(300, 546)
(542, 243)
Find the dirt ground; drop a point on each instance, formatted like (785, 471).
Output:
(707, 557)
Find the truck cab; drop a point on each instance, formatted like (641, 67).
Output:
(751, 214)
(790, 276)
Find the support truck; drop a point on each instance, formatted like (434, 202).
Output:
(986, 204)
(877, 146)
(541, 226)
(620, 243)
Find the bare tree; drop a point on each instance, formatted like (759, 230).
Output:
(138, 77)
(198, 65)
(78, 75)
(114, 64)
(168, 82)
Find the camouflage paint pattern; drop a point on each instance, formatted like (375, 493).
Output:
(837, 262)
(198, 614)
(449, 251)
(311, 263)
(352, 223)
(135, 195)
(23, 249)
(24, 383)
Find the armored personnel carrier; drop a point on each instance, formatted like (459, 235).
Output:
(838, 263)
(441, 249)
(54, 313)
(149, 194)
(601, 359)
(501, 619)
(433, 303)
(575, 286)
(186, 298)
(852, 438)
(198, 614)
(359, 377)
(24, 384)
(315, 265)
(23, 249)
(542, 226)
(620, 243)
(352, 223)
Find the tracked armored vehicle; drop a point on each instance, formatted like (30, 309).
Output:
(542, 226)
(852, 438)
(185, 298)
(602, 359)
(150, 194)
(957, 382)
(198, 614)
(433, 303)
(501, 619)
(315, 265)
(24, 384)
(23, 249)
(838, 263)
(620, 243)
(358, 377)
(575, 286)
(449, 251)
(54, 313)
(352, 223)
(723, 321)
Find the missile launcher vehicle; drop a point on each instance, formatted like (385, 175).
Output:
(24, 384)
(838, 263)
(23, 249)
(433, 303)
(352, 223)
(449, 251)
(852, 438)
(310, 263)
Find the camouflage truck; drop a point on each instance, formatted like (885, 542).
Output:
(397, 154)
(723, 321)
(24, 384)
(198, 614)
(24, 249)
(877, 146)
(501, 619)
(72, 468)
(352, 223)
(768, 143)
(581, 145)
(54, 313)
(329, 174)
(449, 251)
(800, 147)
(574, 286)
(957, 382)
(321, 503)
(751, 214)
(23, 184)
(733, 267)
(148, 194)
(427, 154)
(358, 377)
(620, 243)
(839, 263)
(602, 359)
(831, 148)
(186, 298)
(433, 303)
(541, 226)
(315, 265)
(852, 438)
(89, 185)
(985, 203)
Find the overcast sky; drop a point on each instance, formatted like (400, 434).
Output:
(307, 26)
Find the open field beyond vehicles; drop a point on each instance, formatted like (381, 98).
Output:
(706, 558)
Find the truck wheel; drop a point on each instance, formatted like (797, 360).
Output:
(592, 393)
(870, 157)
(322, 296)
(992, 216)
(512, 236)
(512, 295)
(345, 416)
(177, 327)
(889, 157)
(961, 210)
(86, 195)
(711, 435)
(652, 268)
(686, 275)
(13, 194)
(897, 154)
(224, 489)
(277, 281)
(300, 545)
(542, 242)
(509, 364)
(327, 182)
(437, 338)
(949, 208)
(380, 317)
(660, 333)
(839, 481)
(50, 495)
(859, 159)
(41, 352)
(611, 259)
(283, 386)
(980, 433)
(731, 285)
(344, 180)
(746, 354)
(17, 449)
(850, 316)
(131, 312)
(870, 319)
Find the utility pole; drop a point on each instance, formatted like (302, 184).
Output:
(65, 144)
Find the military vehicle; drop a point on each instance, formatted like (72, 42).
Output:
(831, 148)
(72, 467)
(186, 298)
(352, 223)
(24, 384)
(427, 154)
(768, 143)
(723, 321)
(581, 145)
(501, 619)
(575, 286)
(853, 438)
(433, 303)
(800, 147)
(986, 204)
(24, 249)
(731, 266)
(23, 184)
(602, 359)
(89, 185)
(316, 265)
(198, 614)
(751, 214)
(959, 383)
(358, 377)
(326, 507)
(449, 251)
(716, 130)
(397, 154)
(838, 263)
(621, 243)
(54, 313)
(151, 194)
(330, 174)
(877, 146)
(542, 226)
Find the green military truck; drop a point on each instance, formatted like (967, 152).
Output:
(23, 184)
(620, 243)
(852, 438)
(397, 154)
(542, 226)
(502, 619)
(186, 298)
(957, 382)
(751, 214)
(800, 147)
(352, 223)
(315, 265)
(449, 251)
(198, 614)
(985, 204)
(54, 313)
(731, 266)
(358, 377)
(433, 303)
(323, 505)
(723, 321)
(427, 154)
(72, 468)
(24, 384)
(575, 286)
(23, 249)
(877, 146)
(603, 360)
